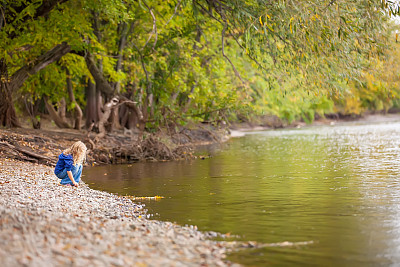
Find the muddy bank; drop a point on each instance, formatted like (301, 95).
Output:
(44, 146)
(45, 224)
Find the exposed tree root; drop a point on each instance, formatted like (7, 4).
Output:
(43, 146)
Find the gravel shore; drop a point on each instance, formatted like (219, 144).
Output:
(45, 224)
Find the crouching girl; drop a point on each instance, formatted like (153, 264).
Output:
(69, 164)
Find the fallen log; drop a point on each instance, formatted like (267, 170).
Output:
(32, 156)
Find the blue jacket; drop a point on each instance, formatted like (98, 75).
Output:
(64, 162)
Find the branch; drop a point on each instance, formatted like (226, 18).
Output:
(208, 12)
(330, 3)
(42, 11)
(132, 105)
(176, 8)
(154, 31)
(46, 7)
(19, 77)
(251, 57)
(227, 58)
(3, 19)
(142, 62)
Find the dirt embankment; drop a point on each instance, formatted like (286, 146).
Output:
(44, 146)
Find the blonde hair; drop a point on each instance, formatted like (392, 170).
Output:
(78, 152)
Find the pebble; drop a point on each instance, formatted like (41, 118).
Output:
(45, 224)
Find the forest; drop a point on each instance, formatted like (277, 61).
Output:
(142, 65)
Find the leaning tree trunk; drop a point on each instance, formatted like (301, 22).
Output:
(101, 82)
(77, 109)
(54, 115)
(8, 116)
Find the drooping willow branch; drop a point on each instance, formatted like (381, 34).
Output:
(225, 56)
(173, 15)
(154, 31)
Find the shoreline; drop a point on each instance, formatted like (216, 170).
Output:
(44, 146)
(268, 125)
(46, 224)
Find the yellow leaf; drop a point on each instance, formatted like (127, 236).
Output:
(290, 22)
(261, 21)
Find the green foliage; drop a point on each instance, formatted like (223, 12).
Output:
(378, 89)
(295, 60)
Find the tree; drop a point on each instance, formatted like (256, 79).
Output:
(178, 60)
(17, 14)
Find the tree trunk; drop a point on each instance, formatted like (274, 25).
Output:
(125, 31)
(62, 109)
(114, 120)
(32, 108)
(8, 116)
(137, 119)
(77, 109)
(135, 123)
(101, 83)
(124, 116)
(185, 109)
(99, 103)
(105, 116)
(122, 28)
(91, 104)
(54, 115)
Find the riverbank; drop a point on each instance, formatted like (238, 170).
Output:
(271, 122)
(43, 146)
(45, 224)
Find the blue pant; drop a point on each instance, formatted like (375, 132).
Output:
(76, 173)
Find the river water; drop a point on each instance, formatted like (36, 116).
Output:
(337, 188)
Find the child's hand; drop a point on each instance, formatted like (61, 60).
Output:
(76, 184)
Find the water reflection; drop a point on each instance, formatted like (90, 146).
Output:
(337, 186)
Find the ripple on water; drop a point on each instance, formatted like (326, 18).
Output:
(338, 187)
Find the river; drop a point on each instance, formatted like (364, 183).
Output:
(334, 187)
